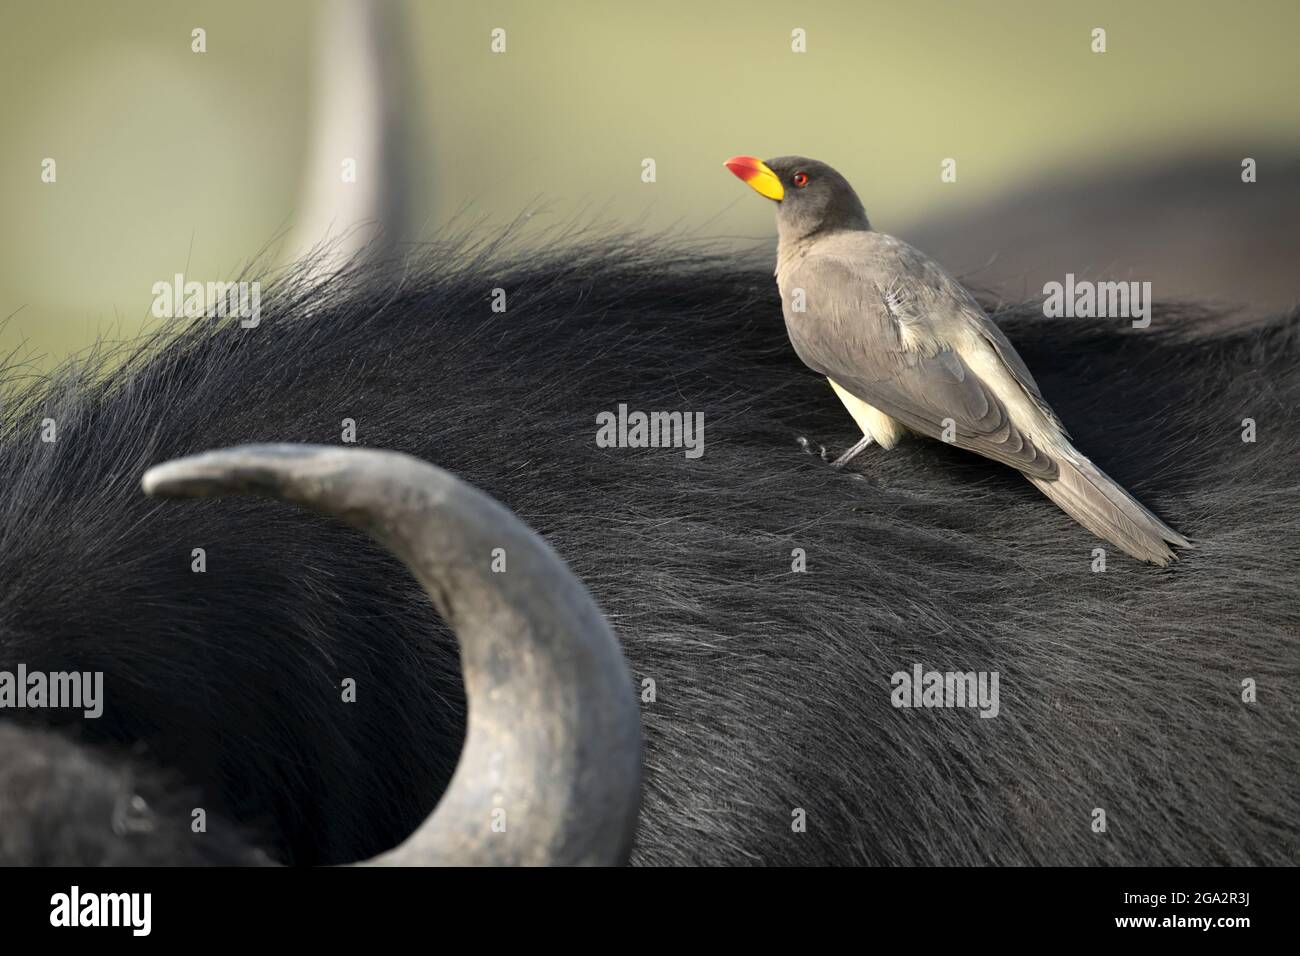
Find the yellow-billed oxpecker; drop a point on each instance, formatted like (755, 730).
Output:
(906, 348)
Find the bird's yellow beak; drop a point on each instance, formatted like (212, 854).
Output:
(756, 173)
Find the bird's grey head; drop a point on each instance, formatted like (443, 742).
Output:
(811, 197)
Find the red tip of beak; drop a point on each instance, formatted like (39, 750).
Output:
(745, 167)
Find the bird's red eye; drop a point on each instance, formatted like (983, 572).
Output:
(801, 179)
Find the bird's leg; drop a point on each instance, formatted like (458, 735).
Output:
(853, 452)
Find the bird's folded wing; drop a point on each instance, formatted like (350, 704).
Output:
(865, 336)
(1016, 366)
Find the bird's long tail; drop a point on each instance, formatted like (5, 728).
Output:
(1090, 497)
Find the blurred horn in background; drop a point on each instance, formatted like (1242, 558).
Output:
(356, 183)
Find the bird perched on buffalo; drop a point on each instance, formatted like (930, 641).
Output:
(906, 348)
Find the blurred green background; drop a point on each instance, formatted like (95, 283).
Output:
(174, 161)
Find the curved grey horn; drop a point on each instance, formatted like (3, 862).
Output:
(551, 768)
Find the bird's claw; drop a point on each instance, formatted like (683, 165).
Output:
(826, 455)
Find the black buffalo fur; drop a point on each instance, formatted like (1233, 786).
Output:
(1120, 691)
